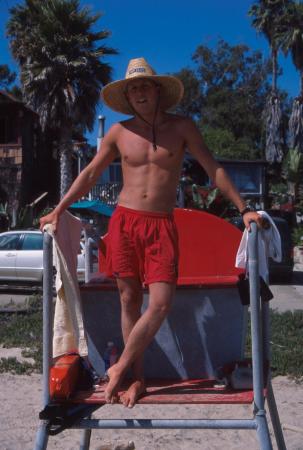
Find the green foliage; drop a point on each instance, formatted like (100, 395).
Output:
(207, 199)
(229, 86)
(192, 101)
(61, 59)
(290, 36)
(286, 343)
(268, 17)
(292, 171)
(23, 330)
(16, 92)
(223, 144)
(6, 76)
(293, 166)
(279, 194)
(4, 217)
(3, 208)
(297, 235)
(14, 366)
(44, 212)
(287, 338)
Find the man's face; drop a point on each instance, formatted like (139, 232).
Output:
(143, 95)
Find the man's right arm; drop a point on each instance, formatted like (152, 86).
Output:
(87, 178)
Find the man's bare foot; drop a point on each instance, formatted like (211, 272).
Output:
(111, 391)
(135, 390)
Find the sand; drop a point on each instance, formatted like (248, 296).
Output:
(21, 399)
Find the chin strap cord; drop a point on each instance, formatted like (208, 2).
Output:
(152, 125)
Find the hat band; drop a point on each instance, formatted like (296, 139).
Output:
(137, 69)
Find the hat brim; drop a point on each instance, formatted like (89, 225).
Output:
(113, 94)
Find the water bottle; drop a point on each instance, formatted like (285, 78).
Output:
(110, 355)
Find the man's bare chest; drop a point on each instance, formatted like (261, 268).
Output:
(137, 149)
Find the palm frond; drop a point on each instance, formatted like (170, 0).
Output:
(62, 62)
(272, 116)
(296, 125)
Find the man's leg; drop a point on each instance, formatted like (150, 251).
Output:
(131, 297)
(160, 300)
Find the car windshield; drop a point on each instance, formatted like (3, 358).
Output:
(32, 242)
(9, 242)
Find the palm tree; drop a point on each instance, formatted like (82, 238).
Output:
(267, 16)
(291, 41)
(62, 67)
(293, 171)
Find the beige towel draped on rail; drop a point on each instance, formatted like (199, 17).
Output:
(69, 333)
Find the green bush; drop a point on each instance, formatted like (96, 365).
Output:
(297, 235)
(286, 343)
(23, 330)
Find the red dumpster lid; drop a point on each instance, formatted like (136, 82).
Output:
(208, 247)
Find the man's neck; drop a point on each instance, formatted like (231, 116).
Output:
(150, 118)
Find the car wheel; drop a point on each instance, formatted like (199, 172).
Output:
(287, 277)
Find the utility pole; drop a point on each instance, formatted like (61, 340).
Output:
(101, 120)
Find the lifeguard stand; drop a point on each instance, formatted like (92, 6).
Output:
(204, 333)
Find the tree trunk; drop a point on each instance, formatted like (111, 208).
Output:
(274, 55)
(292, 190)
(66, 176)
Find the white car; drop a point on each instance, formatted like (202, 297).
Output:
(21, 257)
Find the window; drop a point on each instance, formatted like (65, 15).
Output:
(9, 242)
(247, 179)
(33, 242)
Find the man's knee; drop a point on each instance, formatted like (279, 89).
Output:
(161, 307)
(130, 297)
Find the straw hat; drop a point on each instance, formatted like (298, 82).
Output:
(113, 94)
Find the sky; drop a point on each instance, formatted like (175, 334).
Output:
(166, 33)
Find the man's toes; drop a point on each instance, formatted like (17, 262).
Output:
(124, 400)
(131, 404)
(114, 399)
(110, 397)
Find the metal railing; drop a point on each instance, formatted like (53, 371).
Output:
(260, 356)
(107, 193)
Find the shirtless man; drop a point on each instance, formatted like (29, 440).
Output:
(142, 234)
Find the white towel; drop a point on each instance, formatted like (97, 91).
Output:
(269, 245)
(69, 333)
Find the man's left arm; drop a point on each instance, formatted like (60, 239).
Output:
(198, 149)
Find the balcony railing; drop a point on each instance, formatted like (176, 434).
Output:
(10, 154)
(107, 193)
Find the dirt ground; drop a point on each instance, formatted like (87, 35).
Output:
(21, 399)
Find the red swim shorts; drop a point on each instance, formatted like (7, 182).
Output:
(142, 244)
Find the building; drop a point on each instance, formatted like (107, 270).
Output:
(248, 176)
(27, 166)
